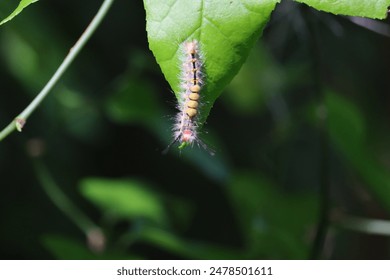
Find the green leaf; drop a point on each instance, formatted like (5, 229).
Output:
(188, 249)
(226, 31)
(346, 124)
(362, 8)
(65, 248)
(347, 129)
(124, 198)
(23, 4)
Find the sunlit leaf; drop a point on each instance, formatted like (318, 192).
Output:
(225, 30)
(361, 8)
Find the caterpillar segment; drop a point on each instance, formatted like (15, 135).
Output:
(185, 128)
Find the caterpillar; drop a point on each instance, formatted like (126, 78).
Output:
(185, 130)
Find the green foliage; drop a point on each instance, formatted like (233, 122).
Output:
(23, 4)
(134, 102)
(348, 130)
(124, 199)
(226, 32)
(362, 8)
(65, 248)
(259, 79)
(258, 197)
(188, 249)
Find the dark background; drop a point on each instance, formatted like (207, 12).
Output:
(301, 137)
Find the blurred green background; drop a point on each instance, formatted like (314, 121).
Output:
(301, 137)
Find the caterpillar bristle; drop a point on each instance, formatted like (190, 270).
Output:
(185, 129)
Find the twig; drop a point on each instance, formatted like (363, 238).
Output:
(21, 119)
(364, 225)
(95, 236)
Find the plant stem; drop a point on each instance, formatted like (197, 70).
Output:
(364, 225)
(95, 236)
(19, 121)
(324, 192)
(58, 197)
(324, 172)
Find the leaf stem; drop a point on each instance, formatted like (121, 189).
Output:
(19, 121)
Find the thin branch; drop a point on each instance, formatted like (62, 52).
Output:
(364, 225)
(324, 179)
(20, 120)
(58, 197)
(95, 236)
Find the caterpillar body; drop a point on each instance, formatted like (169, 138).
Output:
(186, 126)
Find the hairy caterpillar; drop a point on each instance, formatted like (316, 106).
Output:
(185, 129)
